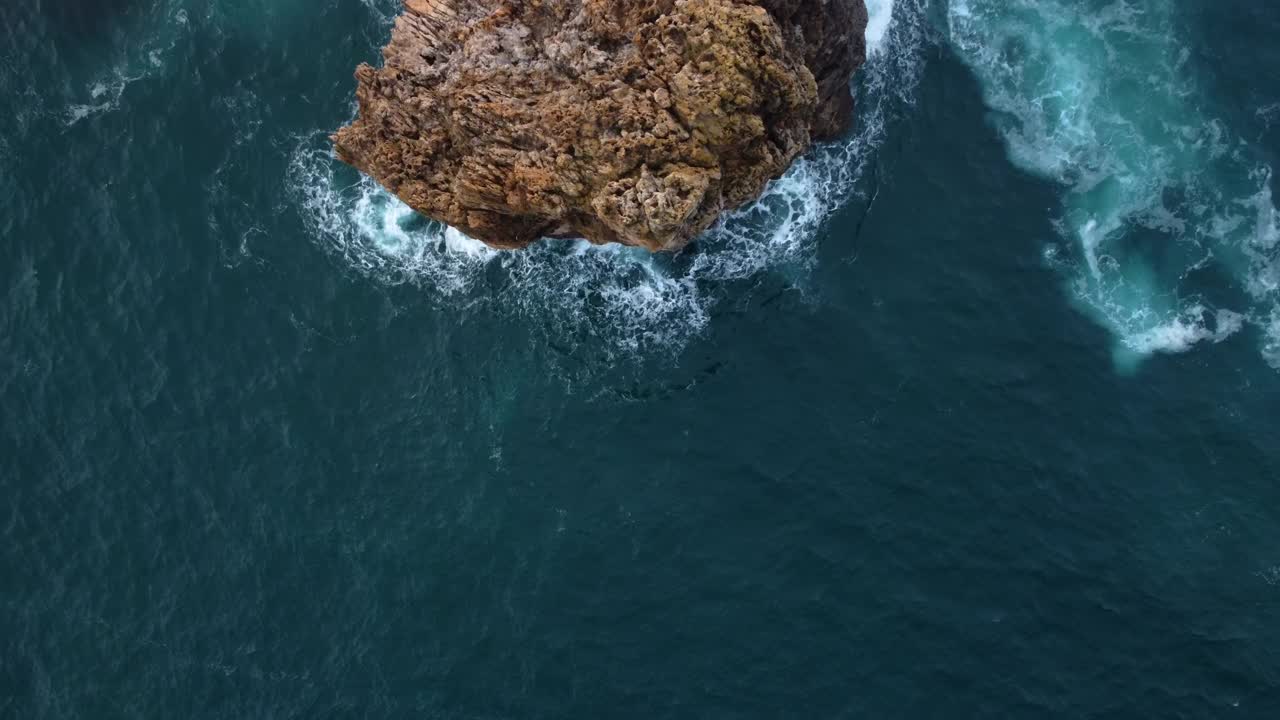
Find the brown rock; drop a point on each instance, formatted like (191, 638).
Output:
(630, 121)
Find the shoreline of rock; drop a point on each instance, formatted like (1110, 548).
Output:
(629, 121)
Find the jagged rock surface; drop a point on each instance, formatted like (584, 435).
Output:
(630, 121)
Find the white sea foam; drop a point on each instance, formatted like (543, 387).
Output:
(1262, 246)
(879, 15)
(133, 63)
(1271, 345)
(1157, 196)
(229, 217)
(1195, 325)
(384, 11)
(626, 299)
(1269, 113)
(104, 95)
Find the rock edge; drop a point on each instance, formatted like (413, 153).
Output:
(630, 121)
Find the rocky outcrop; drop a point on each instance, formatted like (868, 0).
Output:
(630, 121)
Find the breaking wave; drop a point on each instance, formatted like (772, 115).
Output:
(629, 299)
(879, 15)
(1168, 231)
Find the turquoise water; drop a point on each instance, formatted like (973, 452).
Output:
(1106, 99)
(974, 414)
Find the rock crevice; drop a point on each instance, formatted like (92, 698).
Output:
(629, 121)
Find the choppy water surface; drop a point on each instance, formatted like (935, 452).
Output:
(973, 414)
(1161, 196)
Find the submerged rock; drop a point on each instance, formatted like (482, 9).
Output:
(629, 121)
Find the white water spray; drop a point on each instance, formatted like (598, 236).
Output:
(627, 299)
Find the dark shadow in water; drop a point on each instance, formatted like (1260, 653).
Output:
(86, 15)
(942, 195)
(48, 36)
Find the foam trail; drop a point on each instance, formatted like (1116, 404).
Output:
(1168, 214)
(1195, 325)
(136, 62)
(626, 299)
(1271, 347)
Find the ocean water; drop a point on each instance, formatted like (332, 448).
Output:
(975, 414)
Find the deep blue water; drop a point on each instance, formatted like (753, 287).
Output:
(975, 415)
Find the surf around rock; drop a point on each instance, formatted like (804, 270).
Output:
(622, 121)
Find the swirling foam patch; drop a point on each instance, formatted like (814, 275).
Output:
(1168, 231)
